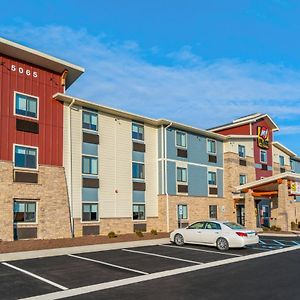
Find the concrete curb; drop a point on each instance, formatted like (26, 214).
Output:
(80, 249)
(291, 235)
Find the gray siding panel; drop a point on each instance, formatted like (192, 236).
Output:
(171, 178)
(220, 183)
(197, 179)
(138, 156)
(160, 183)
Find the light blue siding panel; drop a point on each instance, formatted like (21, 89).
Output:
(220, 183)
(197, 179)
(138, 196)
(90, 194)
(138, 156)
(171, 178)
(90, 149)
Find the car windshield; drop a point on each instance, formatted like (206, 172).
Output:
(234, 226)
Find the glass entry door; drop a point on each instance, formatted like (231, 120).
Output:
(240, 214)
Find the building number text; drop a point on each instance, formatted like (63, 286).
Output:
(21, 70)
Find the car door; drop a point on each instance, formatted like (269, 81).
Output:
(194, 232)
(211, 232)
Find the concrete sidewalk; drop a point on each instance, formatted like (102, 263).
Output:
(291, 235)
(80, 249)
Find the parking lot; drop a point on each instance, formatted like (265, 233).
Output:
(85, 275)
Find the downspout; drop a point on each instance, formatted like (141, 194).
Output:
(71, 170)
(166, 175)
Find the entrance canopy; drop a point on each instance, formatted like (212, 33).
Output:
(268, 187)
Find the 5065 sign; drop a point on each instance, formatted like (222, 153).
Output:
(24, 71)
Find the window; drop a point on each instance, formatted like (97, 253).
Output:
(242, 151)
(182, 211)
(213, 211)
(137, 132)
(25, 157)
(243, 179)
(89, 212)
(90, 149)
(281, 160)
(90, 165)
(214, 226)
(181, 139)
(212, 178)
(293, 165)
(26, 105)
(90, 194)
(24, 212)
(211, 147)
(263, 156)
(138, 212)
(138, 171)
(181, 174)
(198, 225)
(90, 120)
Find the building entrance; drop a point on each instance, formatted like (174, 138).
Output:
(240, 214)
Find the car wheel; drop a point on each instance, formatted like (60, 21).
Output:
(179, 240)
(222, 244)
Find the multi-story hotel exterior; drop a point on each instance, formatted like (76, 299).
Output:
(71, 167)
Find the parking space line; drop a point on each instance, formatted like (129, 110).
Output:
(279, 243)
(201, 250)
(134, 280)
(35, 276)
(262, 242)
(107, 264)
(295, 242)
(163, 256)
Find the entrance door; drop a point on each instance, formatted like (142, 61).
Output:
(263, 213)
(240, 214)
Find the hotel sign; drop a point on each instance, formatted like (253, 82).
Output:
(295, 188)
(263, 137)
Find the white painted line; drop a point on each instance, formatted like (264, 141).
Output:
(202, 250)
(108, 264)
(163, 256)
(279, 243)
(132, 280)
(36, 276)
(262, 242)
(295, 242)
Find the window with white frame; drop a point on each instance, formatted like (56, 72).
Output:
(212, 178)
(25, 157)
(292, 162)
(26, 106)
(24, 211)
(263, 156)
(138, 211)
(89, 212)
(138, 170)
(281, 160)
(213, 211)
(243, 179)
(242, 151)
(90, 120)
(211, 146)
(180, 139)
(89, 165)
(181, 174)
(182, 211)
(137, 131)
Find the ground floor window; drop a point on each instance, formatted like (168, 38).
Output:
(213, 209)
(138, 212)
(24, 211)
(182, 211)
(89, 212)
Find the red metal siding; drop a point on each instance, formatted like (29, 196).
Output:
(239, 130)
(50, 137)
(261, 173)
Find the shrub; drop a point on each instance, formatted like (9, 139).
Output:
(275, 228)
(154, 231)
(111, 235)
(139, 233)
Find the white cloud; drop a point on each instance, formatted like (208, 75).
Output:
(190, 90)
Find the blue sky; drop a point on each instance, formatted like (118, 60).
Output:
(194, 61)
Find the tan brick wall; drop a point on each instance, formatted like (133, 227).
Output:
(53, 220)
(198, 209)
(276, 168)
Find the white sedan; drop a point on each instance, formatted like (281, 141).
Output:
(222, 234)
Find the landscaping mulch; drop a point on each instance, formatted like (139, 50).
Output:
(28, 245)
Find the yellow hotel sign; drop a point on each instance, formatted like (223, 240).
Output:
(263, 137)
